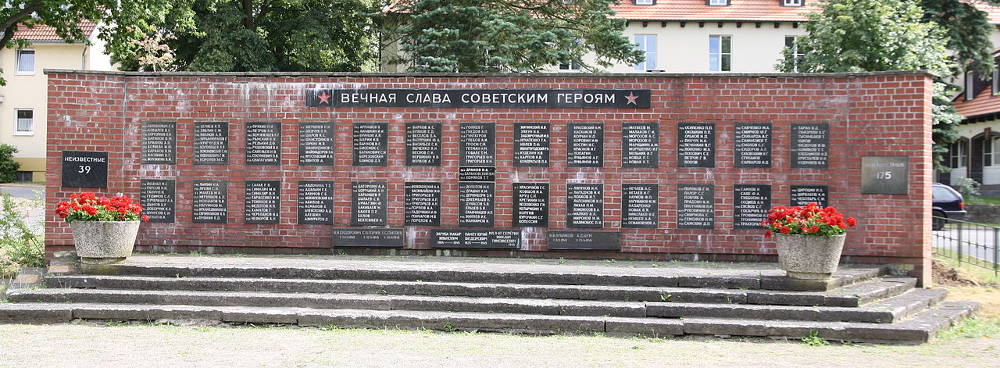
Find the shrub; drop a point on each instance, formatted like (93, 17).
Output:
(8, 167)
(20, 246)
(968, 187)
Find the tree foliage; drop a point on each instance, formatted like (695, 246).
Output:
(968, 30)
(509, 36)
(268, 35)
(8, 167)
(880, 35)
(121, 22)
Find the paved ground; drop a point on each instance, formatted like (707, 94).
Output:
(25, 191)
(169, 346)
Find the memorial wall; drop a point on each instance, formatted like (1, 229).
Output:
(614, 165)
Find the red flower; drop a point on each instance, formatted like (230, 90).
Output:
(767, 233)
(145, 218)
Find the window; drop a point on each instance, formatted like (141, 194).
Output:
(645, 2)
(24, 122)
(792, 47)
(718, 2)
(995, 82)
(570, 66)
(970, 85)
(943, 193)
(720, 53)
(646, 43)
(26, 61)
(957, 155)
(792, 2)
(24, 176)
(991, 152)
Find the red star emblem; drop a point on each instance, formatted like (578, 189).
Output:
(324, 98)
(631, 97)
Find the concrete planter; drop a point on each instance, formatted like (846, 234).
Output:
(809, 257)
(104, 242)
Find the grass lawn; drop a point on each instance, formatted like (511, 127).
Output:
(982, 200)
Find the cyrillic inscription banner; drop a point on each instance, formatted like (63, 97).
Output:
(462, 98)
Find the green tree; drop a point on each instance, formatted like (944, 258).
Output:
(8, 167)
(508, 36)
(968, 30)
(121, 21)
(267, 35)
(880, 35)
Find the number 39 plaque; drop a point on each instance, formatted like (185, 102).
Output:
(884, 175)
(85, 169)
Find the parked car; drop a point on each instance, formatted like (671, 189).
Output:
(947, 204)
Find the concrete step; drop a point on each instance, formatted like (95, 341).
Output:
(519, 272)
(850, 296)
(888, 310)
(885, 311)
(922, 327)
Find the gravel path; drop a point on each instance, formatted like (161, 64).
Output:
(171, 346)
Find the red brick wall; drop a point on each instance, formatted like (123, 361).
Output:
(876, 114)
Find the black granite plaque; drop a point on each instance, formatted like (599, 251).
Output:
(477, 144)
(316, 144)
(695, 206)
(263, 143)
(369, 202)
(584, 240)
(477, 173)
(696, 145)
(810, 145)
(479, 98)
(802, 195)
(531, 204)
(640, 203)
(423, 204)
(371, 143)
(475, 239)
(475, 204)
(531, 144)
(85, 169)
(159, 143)
(585, 205)
(262, 202)
(640, 144)
(585, 147)
(885, 175)
(423, 144)
(379, 238)
(209, 201)
(315, 202)
(752, 145)
(158, 199)
(750, 205)
(211, 143)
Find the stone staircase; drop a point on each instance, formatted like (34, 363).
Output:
(523, 296)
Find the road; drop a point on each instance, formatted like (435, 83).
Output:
(24, 191)
(983, 242)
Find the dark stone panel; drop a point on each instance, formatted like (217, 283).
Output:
(211, 143)
(810, 145)
(369, 202)
(477, 144)
(209, 201)
(640, 203)
(585, 146)
(263, 143)
(751, 202)
(315, 202)
(752, 145)
(423, 144)
(158, 199)
(262, 202)
(477, 173)
(531, 204)
(885, 175)
(371, 144)
(475, 204)
(85, 169)
(584, 240)
(802, 195)
(585, 205)
(472, 98)
(531, 144)
(696, 145)
(640, 145)
(423, 204)
(316, 144)
(159, 143)
(379, 238)
(695, 206)
(475, 239)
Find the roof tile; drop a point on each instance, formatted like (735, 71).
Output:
(695, 10)
(41, 32)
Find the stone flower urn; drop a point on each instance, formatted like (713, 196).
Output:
(104, 242)
(809, 257)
